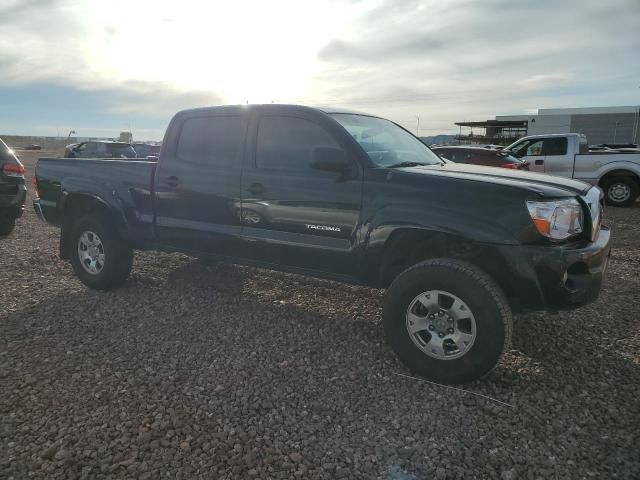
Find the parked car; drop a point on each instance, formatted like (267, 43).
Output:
(350, 197)
(481, 156)
(33, 146)
(12, 189)
(567, 155)
(99, 149)
(144, 150)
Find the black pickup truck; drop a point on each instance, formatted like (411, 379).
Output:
(351, 197)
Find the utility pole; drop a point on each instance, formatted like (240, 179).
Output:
(70, 132)
(417, 125)
(615, 132)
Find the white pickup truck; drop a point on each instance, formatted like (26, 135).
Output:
(567, 155)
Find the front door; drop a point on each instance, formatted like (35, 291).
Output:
(197, 198)
(293, 214)
(531, 152)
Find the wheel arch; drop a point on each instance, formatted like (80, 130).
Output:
(617, 172)
(75, 205)
(409, 246)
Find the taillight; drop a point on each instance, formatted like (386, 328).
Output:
(509, 165)
(13, 169)
(34, 188)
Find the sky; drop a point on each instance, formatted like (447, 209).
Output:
(103, 66)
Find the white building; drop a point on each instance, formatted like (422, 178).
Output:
(600, 124)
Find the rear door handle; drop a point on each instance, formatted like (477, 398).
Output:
(539, 162)
(172, 181)
(257, 188)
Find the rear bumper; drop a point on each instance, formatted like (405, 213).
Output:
(13, 205)
(38, 209)
(560, 277)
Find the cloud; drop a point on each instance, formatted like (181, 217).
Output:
(443, 60)
(464, 59)
(155, 98)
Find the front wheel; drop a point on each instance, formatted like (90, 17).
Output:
(447, 320)
(101, 259)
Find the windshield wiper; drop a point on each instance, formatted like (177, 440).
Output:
(408, 164)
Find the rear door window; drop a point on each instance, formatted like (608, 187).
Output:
(213, 141)
(119, 150)
(555, 146)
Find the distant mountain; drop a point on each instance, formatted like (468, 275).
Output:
(438, 139)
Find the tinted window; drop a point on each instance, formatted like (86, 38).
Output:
(555, 146)
(100, 148)
(216, 140)
(288, 143)
(118, 150)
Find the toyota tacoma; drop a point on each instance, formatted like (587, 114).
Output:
(347, 196)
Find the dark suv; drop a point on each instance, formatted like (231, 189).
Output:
(481, 156)
(12, 189)
(99, 149)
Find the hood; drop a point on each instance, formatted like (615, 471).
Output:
(539, 183)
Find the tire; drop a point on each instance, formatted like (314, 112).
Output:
(479, 298)
(6, 226)
(621, 191)
(117, 255)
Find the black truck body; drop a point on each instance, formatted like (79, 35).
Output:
(257, 194)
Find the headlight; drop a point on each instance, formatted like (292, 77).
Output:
(558, 219)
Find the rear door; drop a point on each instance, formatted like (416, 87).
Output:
(295, 215)
(557, 161)
(198, 184)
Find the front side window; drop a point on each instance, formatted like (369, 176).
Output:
(386, 143)
(530, 148)
(288, 143)
(215, 141)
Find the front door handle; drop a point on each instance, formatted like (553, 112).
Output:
(172, 181)
(539, 162)
(257, 188)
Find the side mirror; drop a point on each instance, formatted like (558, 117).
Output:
(329, 159)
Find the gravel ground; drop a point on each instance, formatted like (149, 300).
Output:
(197, 371)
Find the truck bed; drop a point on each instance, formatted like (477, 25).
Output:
(125, 184)
(591, 167)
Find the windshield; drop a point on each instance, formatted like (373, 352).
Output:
(386, 144)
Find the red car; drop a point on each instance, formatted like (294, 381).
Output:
(481, 156)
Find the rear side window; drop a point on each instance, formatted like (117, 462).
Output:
(287, 143)
(555, 146)
(216, 141)
(121, 149)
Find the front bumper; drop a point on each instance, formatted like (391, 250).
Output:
(559, 277)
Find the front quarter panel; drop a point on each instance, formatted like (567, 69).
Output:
(482, 213)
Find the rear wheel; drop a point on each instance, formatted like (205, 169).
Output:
(101, 259)
(447, 320)
(621, 191)
(6, 226)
